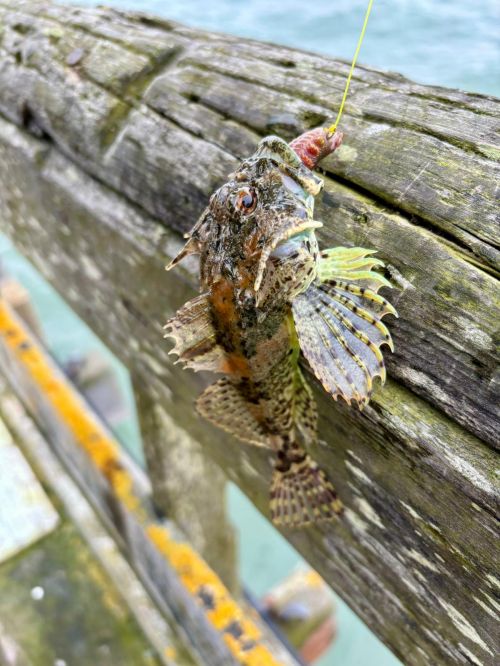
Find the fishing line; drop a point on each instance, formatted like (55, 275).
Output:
(333, 127)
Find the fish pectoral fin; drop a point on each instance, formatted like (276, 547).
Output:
(340, 333)
(223, 405)
(339, 323)
(195, 341)
(353, 266)
(301, 493)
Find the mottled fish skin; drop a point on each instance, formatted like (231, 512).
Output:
(268, 297)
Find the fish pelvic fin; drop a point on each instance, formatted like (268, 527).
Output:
(194, 335)
(224, 406)
(339, 323)
(301, 494)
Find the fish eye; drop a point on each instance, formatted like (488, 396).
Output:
(246, 200)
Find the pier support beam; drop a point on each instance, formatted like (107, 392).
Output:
(187, 486)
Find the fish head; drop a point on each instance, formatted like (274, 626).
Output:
(265, 202)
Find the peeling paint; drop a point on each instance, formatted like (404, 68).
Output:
(353, 455)
(469, 655)
(398, 278)
(493, 602)
(420, 576)
(470, 473)
(412, 511)
(157, 368)
(435, 527)
(474, 334)
(493, 580)
(486, 608)
(415, 588)
(356, 522)
(423, 380)
(90, 268)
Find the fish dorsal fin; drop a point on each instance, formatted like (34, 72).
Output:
(195, 341)
(223, 405)
(195, 238)
(338, 322)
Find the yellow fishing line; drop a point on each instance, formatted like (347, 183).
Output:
(333, 127)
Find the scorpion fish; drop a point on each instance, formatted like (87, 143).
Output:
(269, 299)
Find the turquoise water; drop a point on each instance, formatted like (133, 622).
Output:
(444, 43)
(452, 43)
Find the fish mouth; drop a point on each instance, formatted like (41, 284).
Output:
(295, 227)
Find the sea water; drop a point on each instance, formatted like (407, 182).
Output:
(447, 43)
(453, 43)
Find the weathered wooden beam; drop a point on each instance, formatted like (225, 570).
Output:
(182, 478)
(53, 620)
(100, 164)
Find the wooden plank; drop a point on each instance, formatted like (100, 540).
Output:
(122, 171)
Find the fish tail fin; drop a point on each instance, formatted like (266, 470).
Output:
(301, 494)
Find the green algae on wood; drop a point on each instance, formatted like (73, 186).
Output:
(56, 603)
